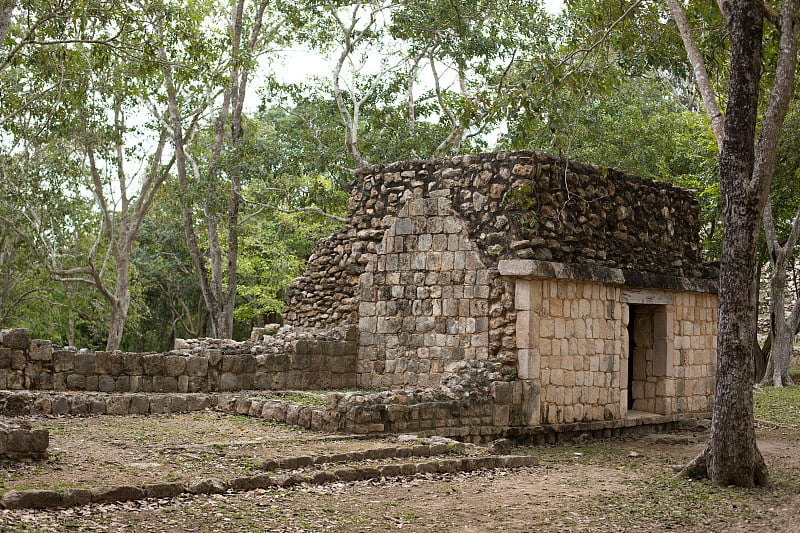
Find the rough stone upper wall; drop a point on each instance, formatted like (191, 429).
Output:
(514, 205)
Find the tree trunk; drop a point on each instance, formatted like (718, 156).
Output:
(781, 331)
(119, 304)
(6, 11)
(782, 328)
(116, 325)
(732, 457)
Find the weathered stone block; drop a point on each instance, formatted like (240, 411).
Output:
(197, 365)
(39, 441)
(165, 384)
(122, 384)
(198, 384)
(15, 338)
(260, 481)
(85, 363)
(208, 486)
(5, 357)
(183, 383)
(164, 490)
(40, 350)
(19, 440)
(231, 364)
(160, 403)
(117, 405)
(153, 364)
(77, 497)
(229, 382)
(132, 364)
(117, 493)
(106, 383)
(18, 360)
(32, 499)
(140, 404)
(93, 383)
(214, 356)
(76, 382)
(60, 405)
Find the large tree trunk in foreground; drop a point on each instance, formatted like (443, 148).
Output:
(732, 457)
(746, 167)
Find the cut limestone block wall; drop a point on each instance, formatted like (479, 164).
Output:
(18, 442)
(582, 358)
(424, 299)
(307, 362)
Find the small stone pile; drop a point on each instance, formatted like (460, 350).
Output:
(18, 442)
(272, 339)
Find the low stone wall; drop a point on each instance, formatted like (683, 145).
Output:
(307, 362)
(51, 499)
(18, 442)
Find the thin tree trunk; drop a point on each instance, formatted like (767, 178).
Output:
(782, 328)
(119, 304)
(700, 73)
(6, 11)
(181, 160)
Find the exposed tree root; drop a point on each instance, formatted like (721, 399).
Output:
(699, 468)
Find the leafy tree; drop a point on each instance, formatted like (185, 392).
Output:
(427, 74)
(251, 28)
(170, 293)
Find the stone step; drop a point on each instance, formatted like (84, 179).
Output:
(51, 499)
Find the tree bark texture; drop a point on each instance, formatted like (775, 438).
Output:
(746, 167)
(732, 455)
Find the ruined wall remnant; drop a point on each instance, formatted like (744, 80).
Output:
(287, 360)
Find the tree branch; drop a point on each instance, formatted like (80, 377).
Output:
(700, 73)
(312, 209)
(779, 98)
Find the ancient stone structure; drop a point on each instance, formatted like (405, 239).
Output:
(509, 294)
(583, 286)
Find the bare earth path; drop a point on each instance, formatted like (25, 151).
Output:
(614, 485)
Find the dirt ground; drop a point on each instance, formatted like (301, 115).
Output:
(613, 485)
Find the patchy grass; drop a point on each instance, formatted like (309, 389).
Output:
(304, 398)
(778, 405)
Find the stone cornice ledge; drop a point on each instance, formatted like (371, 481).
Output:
(531, 268)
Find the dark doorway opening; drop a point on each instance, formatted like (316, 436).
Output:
(631, 352)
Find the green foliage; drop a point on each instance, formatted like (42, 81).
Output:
(593, 85)
(521, 199)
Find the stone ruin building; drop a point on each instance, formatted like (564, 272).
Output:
(508, 294)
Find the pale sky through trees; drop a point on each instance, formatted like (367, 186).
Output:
(299, 64)
(553, 6)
